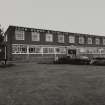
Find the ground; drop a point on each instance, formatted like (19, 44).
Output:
(49, 84)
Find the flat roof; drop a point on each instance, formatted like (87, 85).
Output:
(50, 31)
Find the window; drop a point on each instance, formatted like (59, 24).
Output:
(60, 50)
(19, 49)
(45, 50)
(81, 40)
(86, 50)
(82, 50)
(35, 49)
(31, 50)
(89, 41)
(38, 50)
(97, 41)
(91, 50)
(103, 41)
(19, 35)
(61, 38)
(49, 50)
(102, 51)
(71, 39)
(49, 37)
(35, 36)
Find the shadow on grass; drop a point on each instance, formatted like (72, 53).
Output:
(6, 65)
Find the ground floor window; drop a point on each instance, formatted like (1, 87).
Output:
(91, 50)
(45, 50)
(60, 50)
(19, 49)
(103, 51)
(36, 49)
(48, 50)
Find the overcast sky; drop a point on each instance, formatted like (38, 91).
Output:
(82, 16)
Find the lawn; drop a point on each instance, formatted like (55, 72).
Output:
(48, 84)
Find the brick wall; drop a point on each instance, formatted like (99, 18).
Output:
(11, 40)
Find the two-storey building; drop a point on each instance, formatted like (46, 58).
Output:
(34, 44)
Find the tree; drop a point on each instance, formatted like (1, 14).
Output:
(1, 35)
(2, 46)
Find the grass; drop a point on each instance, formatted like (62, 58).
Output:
(42, 84)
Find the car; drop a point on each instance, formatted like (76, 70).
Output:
(82, 60)
(98, 61)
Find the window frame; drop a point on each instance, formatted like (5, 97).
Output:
(88, 40)
(49, 37)
(48, 49)
(81, 40)
(18, 49)
(71, 39)
(35, 34)
(59, 38)
(19, 35)
(97, 39)
(103, 41)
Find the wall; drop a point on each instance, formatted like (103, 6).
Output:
(11, 40)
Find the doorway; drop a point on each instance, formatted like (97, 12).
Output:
(71, 52)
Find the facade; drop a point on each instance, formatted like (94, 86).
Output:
(38, 44)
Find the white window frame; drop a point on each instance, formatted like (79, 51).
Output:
(89, 40)
(103, 41)
(19, 35)
(36, 48)
(81, 40)
(18, 49)
(91, 50)
(62, 50)
(97, 41)
(35, 36)
(48, 49)
(61, 38)
(49, 37)
(71, 39)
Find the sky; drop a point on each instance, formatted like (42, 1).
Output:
(80, 16)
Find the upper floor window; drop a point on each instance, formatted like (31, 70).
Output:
(71, 39)
(81, 40)
(49, 37)
(89, 40)
(103, 41)
(19, 35)
(97, 40)
(61, 38)
(35, 36)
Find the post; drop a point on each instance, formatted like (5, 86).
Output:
(5, 55)
(28, 52)
(42, 51)
(55, 54)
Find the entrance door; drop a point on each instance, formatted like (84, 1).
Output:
(71, 52)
